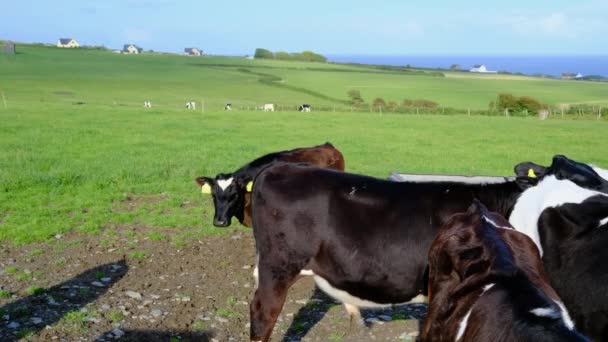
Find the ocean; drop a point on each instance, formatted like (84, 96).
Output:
(529, 65)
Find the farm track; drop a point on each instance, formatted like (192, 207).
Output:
(129, 287)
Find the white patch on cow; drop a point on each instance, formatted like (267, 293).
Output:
(307, 273)
(347, 298)
(224, 183)
(490, 221)
(603, 222)
(462, 327)
(487, 287)
(353, 312)
(550, 192)
(416, 178)
(256, 271)
(544, 312)
(565, 315)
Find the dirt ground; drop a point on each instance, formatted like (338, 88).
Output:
(130, 287)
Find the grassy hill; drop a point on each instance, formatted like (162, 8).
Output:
(79, 151)
(105, 78)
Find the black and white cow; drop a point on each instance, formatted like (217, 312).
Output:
(364, 240)
(231, 193)
(304, 108)
(228, 106)
(191, 105)
(566, 214)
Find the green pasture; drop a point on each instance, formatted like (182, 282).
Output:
(79, 152)
(46, 74)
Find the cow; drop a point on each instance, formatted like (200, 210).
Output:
(147, 104)
(487, 283)
(566, 214)
(268, 107)
(230, 195)
(191, 105)
(364, 240)
(304, 108)
(228, 106)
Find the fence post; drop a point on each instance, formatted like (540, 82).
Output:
(4, 100)
(202, 105)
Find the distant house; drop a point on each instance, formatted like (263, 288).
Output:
(482, 69)
(132, 49)
(9, 48)
(192, 52)
(67, 43)
(571, 76)
(249, 57)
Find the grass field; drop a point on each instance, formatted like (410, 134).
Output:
(65, 166)
(42, 74)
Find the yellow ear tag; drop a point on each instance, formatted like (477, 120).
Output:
(206, 189)
(249, 186)
(531, 173)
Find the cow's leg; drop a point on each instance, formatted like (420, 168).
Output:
(276, 273)
(265, 308)
(355, 315)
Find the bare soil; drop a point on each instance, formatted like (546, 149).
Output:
(126, 286)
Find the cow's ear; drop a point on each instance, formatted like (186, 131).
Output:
(530, 170)
(205, 183)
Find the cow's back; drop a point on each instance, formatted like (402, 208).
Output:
(371, 228)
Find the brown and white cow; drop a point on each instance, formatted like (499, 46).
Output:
(487, 283)
(231, 198)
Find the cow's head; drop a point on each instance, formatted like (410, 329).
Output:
(562, 168)
(467, 252)
(228, 192)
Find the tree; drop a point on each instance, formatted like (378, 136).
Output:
(392, 106)
(282, 55)
(455, 67)
(379, 103)
(263, 53)
(518, 104)
(355, 97)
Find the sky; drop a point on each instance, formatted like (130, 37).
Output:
(431, 27)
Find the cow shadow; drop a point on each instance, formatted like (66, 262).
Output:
(48, 306)
(319, 304)
(308, 316)
(138, 335)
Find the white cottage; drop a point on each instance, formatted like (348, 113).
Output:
(132, 49)
(67, 43)
(481, 68)
(192, 52)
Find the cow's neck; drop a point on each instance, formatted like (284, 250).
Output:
(500, 198)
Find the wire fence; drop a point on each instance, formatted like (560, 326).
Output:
(203, 104)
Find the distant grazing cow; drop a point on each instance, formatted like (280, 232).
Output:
(304, 108)
(147, 104)
(487, 283)
(229, 190)
(268, 107)
(191, 105)
(567, 217)
(364, 240)
(228, 106)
